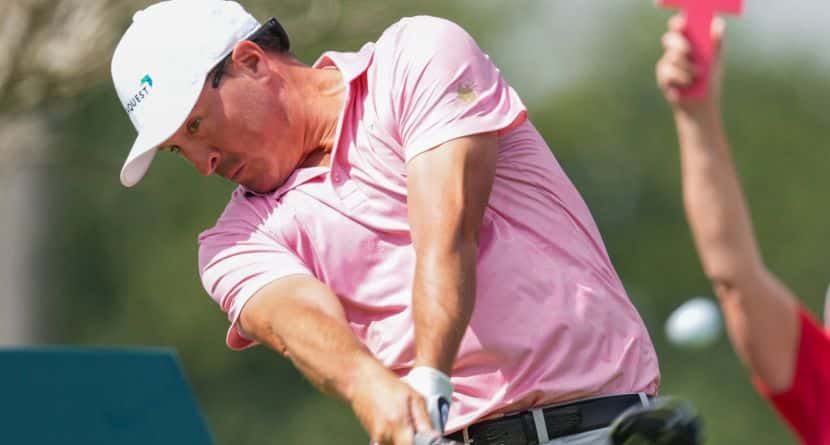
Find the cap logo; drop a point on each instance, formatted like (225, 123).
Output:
(142, 93)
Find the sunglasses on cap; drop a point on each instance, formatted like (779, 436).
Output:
(263, 36)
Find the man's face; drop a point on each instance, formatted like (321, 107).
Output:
(243, 130)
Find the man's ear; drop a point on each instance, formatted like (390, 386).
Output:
(248, 59)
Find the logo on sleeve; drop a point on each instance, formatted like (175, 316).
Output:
(467, 93)
(143, 92)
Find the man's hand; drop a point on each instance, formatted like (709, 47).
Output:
(676, 70)
(436, 388)
(389, 409)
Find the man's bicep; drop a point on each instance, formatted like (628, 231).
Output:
(449, 187)
(282, 306)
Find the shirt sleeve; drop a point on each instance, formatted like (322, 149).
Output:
(446, 87)
(237, 258)
(805, 404)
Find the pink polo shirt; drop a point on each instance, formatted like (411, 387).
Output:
(552, 321)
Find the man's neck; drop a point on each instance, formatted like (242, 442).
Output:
(317, 158)
(325, 99)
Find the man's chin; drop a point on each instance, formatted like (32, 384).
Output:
(258, 190)
(262, 189)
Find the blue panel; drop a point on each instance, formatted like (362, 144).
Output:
(73, 396)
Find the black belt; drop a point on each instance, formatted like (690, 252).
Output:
(560, 420)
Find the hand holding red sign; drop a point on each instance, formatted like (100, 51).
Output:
(699, 15)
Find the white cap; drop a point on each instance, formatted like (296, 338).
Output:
(160, 65)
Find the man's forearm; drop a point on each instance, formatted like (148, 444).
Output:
(303, 319)
(316, 337)
(714, 201)
(328, 354)
(448, 191)
(443, 301)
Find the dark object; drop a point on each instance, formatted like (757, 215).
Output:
(561, 420)
(60, 396)
(666, 421)
(423, 439)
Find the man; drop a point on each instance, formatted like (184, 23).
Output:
(776, 337)
(401, 232)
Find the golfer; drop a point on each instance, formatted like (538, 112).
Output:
(401, 231)
(774, 335)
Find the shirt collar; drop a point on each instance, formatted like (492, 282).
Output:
(351, 65)
(299, 177)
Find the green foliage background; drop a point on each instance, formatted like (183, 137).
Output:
(121, 264)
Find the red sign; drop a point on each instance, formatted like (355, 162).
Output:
(699, 15)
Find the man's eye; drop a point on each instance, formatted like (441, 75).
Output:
(193, 126)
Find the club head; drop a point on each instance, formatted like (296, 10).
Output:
(666, 421)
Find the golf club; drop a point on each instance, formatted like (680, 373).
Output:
(666, 421)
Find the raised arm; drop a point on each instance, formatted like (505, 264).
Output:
(760, 312)
(302, 319)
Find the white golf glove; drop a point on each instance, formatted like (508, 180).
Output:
(436, 388)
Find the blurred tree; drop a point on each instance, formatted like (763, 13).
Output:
(48, 49)
(55, 48)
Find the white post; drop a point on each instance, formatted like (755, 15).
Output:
(20, 219)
